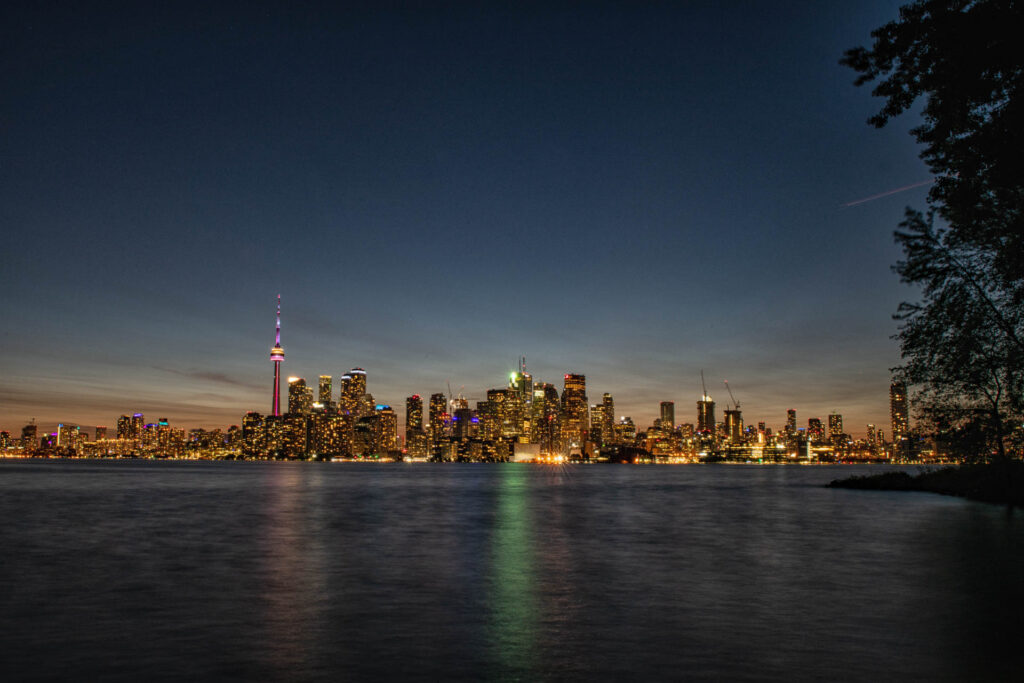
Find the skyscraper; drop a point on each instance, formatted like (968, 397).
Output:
(324, 395)
(790, 422)
(575, 417)
(300, 397)
(668, 415)
(277, 356)
(438, 416)
(835, 428)
(734, 426)
(898, 410)
(706, 415)
(608, 416)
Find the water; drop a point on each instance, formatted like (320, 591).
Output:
(140, 570)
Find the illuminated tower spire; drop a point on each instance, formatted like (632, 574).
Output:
(277, 356)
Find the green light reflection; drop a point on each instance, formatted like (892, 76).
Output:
(512, 632)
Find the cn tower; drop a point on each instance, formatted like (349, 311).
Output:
(277, 355)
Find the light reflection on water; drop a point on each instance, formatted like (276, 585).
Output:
(304, 571)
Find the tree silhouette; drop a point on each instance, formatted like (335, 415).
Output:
(963, 343)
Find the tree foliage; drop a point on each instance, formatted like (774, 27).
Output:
(963, 343)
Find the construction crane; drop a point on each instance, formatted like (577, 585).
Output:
(734, 401)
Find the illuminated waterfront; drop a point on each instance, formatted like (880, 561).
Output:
(131, 570)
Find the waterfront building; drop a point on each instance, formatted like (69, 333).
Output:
(899, 411)
(597, 424)
(300, 396)
(668, 415)
(438, 427)
(414, 434)
(608, 419)
(815, 430)
(734, 426)
(625, 431)
(124, 427)
(138, 425)
(100, 433)
(575, 418)
(790, 422)
(835, 428)
(387, 429)
(706, 415)
(324, 395)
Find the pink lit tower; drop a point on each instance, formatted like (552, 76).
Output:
(277, 355)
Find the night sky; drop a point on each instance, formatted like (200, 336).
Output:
(634, 193)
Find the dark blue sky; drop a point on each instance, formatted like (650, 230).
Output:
(631, 192)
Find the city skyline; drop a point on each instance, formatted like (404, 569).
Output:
(665, 408)
(630, 193)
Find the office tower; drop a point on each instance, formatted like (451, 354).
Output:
(706, 415)
(497, 415)
(295, 435)
(608, 415)
(277, 357)
(101, 433)
(438, 417)
(835, 428)
(871, 435)
(387, 429)
(351, 400)
(413, 415)
(124, 427)
(625, 431)
(597, 424)
(815, 430)
(734, 426)
(67, 436)
(791, 422)
(898, 410)
(138, 425)
(30, 437)
(324, 394)
(252, 433)
(300, 396)
(668, 416)
(575, 417)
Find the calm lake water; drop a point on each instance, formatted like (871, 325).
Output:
(141, 570)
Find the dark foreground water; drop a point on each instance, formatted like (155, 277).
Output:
(302, 571)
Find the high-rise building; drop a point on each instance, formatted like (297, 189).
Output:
(835, 428)
(597, 424)
(30, 437)
(324, 395)
(300, 396)
(277, 357)
(413, 415)
(706, 415)
(625, 431)
(734, 426)
(138, 425)
(438, 426)
(101, 433)
(351, 400)
(124, 427)
(608, 417)
(871, 435)
(668, 415)
(67, 436)
(815, 430)
(575, 417)
(790, 422)
(899, 411)
(387, 425)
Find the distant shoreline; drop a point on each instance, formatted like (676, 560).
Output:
(996, 482)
